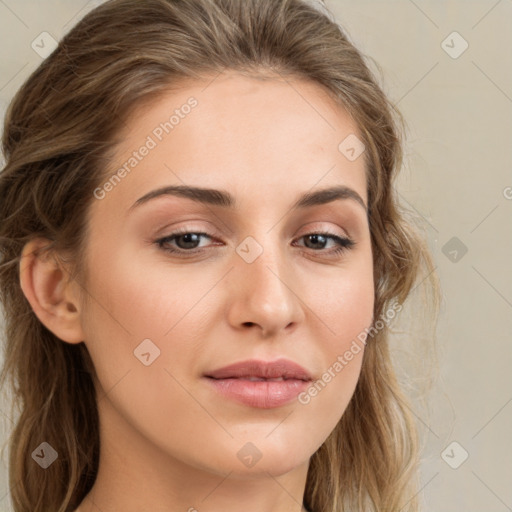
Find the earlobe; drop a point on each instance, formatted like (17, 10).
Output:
(46, 285)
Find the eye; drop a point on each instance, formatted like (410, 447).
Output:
(313, 239)
(185, 242)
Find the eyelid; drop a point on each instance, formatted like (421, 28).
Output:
(318, 227)
(166, 229)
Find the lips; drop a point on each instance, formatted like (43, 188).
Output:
(260, 384)
(254, 370)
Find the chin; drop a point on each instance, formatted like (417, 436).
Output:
(265, 456)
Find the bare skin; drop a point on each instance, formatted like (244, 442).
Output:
(169, 442)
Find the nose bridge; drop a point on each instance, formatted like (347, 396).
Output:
(261, 292)
(267, 273)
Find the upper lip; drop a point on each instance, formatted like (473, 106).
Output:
(262, 369)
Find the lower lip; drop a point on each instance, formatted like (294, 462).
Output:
(261, 394)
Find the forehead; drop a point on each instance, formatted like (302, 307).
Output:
(240, 133)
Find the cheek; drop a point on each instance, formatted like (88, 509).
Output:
(344, 309)
(344, 301)
(126, 306)
(129, 308)
(135, 298)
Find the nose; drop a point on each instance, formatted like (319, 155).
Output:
(263, 295)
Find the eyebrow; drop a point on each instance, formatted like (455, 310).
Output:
(224, 199)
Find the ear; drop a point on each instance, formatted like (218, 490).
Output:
(52, 294)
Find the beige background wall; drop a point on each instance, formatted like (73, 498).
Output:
(457, 178)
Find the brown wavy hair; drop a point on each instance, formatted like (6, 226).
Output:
(58, 133)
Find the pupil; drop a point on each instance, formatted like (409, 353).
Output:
(187, 238)
(316, 238)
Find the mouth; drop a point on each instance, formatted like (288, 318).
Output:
(252, 378)
(260, 384)
(255, 370)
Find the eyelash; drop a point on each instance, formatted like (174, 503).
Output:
(345, 243)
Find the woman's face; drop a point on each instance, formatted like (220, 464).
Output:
(258, 279)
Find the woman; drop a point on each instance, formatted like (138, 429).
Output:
(202, 253)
